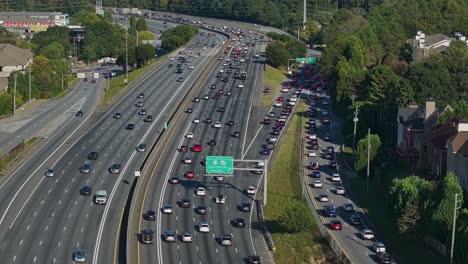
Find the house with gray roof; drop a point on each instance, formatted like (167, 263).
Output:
(12, 59)
(423, 45)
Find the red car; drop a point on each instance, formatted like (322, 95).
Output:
(280, 99)
(183, 149)
(197, 148)
(336, 225)
(220, 91)
(266, 90)
(326, 120)
(189, 175)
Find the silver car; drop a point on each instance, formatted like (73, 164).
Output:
(86, 168)
(79, 256)
(169, 236)
(226, 240)
(50, 172)
(115, 168)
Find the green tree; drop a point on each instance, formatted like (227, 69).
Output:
(54, 50)
(141, 24)
(145, 35)
(362, 149)
(444, 202)
(144, 54)
(296, 218)
(277, 55)
(458, 108)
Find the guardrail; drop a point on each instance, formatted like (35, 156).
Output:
(262, 225)
(137, 195)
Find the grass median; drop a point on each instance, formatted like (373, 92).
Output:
(284, 188)
(273, 79)
(117, 84)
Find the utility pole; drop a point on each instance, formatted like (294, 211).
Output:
(456, 206)
(265, 183)
(355, 120)
(126, 51)
(368, 161)
(14, 96)
(29, 70)
(137, 37)
(298, 32)
(304, 20)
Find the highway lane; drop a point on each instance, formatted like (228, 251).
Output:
(185, 219)
(349, 239)
(62, 214)
(38, 122)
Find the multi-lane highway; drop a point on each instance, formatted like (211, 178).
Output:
(45, 219)
(221, 102)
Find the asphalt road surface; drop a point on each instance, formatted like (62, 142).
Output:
(45, 219)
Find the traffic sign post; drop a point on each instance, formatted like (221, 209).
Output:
(300, 60)
(219, 165)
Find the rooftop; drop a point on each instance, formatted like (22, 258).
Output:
(410, 117)
(14, 56)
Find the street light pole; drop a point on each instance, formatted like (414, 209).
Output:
(14, 97)
(355, 120)
(456, 207)
(368, 160)
(29, 70)
(265, 183)
(126, 54)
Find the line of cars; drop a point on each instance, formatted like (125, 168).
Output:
(318, 102)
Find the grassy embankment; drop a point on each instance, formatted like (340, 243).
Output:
(284, 188)
(273, 80)
(14, 153)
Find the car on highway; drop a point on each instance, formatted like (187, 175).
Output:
(180, 79)
(323, 198)
(141, 95)
(189, 110)
(167, 209)
(327, 137)
(230, 123)
(235, 134)
(220, 199)
(174, 180)
(115, 168)
(201, 209)
(315, 165)
(330, 211)
(367, 234)
(130, 126)
(348, 207)
(150, 215)
(316, 174)
(186, 237)
(139, 104)
(79, 113)
(378, 247)
(277, 104)
(245, 207)
(203, 227)
(200, 191)
(141, 147)
(85, 168)
(265, 151)
(355, 220)
(217, 125)
(183, 149)
(317, 184)
(101, 197)
(184, 203)
(252, 189)
(197, 147)
(385, 258)
(195, 121)
(187, 160)
(189, 135)
(79, 256)
(238, 222)
(148, 119)
(169, 236)
(146, 236)
(336, 177)
(189, 174)
(85, 191)
(211, 142)
(226, 240)
(336, 225)
(220, 110)
(254, 259)
(340, 190)
(117, 115)
(50, 172)
(142, 112)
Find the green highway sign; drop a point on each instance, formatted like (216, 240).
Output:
(219, 165)
(311, 60)
(300, 60)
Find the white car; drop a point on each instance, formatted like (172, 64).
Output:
(200, 191)
(293, 98)
(278, 104)
(312, 136)
(335, 177)
(217, 125)
(340, 190)
(272, 139)
(196, 121)
(167, 209)
(317, 184)
(378, 247)
(226, 240)
(187, 237)
(188, 160)
(219, 178)
(220, 199)
(240, 85)
(312, 154)
(324, 112)
(257, 55)
(172, 58)
(367, 234)
(203, 227)
(251, 189)
(242, 60)
(323, 198)
(191, 67)
(189, 135)
(292, 103)
(284, 90)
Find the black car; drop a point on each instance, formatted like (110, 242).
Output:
(220, 110)
(79, 113)
(207, 120)
(117, 115)
(327, 137)
(236, 134)
(275, 132)
(225, 79)
(332, 164)
(93, 81)
(184, 203)
(245, 207)
(130, 126)
(201, 209)
(141, 95)
(230, 123)
(189, 110)
(85, 190)
(238, 222)
(253, 259)
(93, 155)
(146, 236)
(170, 65)
(212, 142)
(150, 215)
(213, 86)
(148, 119)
